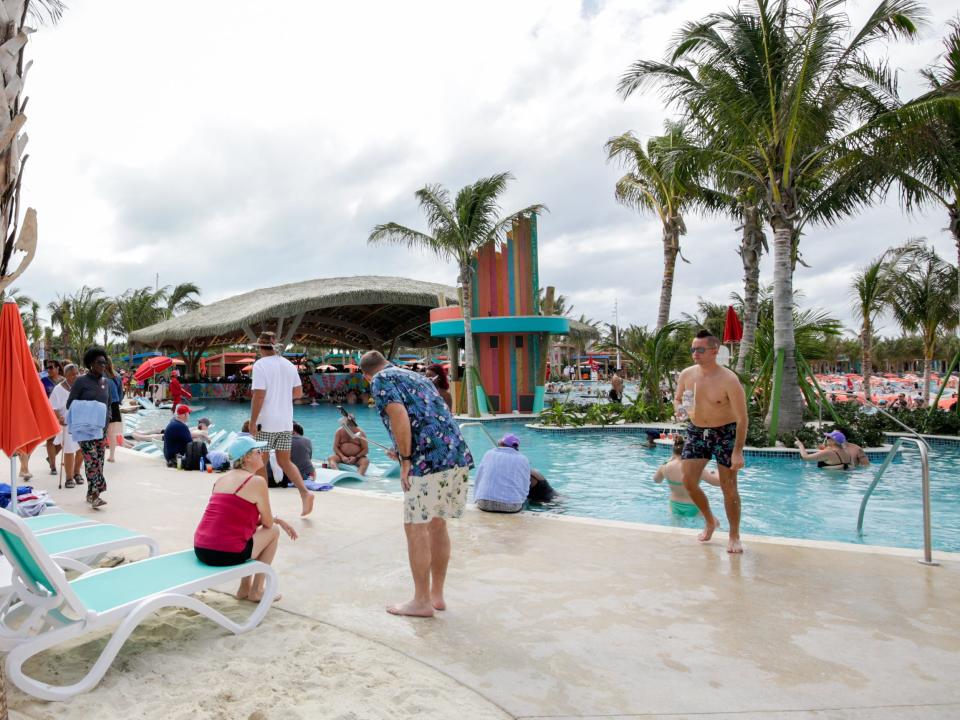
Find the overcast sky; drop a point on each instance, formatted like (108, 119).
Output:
(246, 144)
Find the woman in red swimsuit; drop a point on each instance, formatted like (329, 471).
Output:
(238, 524)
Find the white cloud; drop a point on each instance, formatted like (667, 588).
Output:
(256, 146)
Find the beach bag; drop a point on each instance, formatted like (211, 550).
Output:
(191, 456)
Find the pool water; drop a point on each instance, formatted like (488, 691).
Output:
(609, 476)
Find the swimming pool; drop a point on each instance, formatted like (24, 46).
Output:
(608, 476)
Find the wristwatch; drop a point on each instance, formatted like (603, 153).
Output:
(408, 458)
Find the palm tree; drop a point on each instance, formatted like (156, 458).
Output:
(925, 300)
(16, 235)
(923, 153)
(457, 229)
(180, 298)
(776, 92)
(81, 316)
(872, 288)
(656, 182)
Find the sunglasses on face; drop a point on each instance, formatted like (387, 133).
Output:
(698, 350)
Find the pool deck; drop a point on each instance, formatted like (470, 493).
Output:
(558, 618)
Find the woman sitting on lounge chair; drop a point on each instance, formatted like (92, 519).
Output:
(238, 524)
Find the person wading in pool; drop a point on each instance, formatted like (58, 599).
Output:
(717, 427)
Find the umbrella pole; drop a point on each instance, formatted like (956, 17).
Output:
(13, 483)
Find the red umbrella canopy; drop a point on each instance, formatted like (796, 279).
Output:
(28, 419)
(732, 329)
(151, 366)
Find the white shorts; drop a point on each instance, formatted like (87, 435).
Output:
(69, 444)
(438, 495)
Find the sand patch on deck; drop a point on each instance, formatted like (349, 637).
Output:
(177, 665)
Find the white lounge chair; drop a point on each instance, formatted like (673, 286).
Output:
(50, 610)
(74, 544)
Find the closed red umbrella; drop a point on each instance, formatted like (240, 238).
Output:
(732, 329)
(151, 366)
(28, 419)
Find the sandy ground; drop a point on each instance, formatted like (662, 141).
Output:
(549, 618)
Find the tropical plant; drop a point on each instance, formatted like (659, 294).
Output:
(660, 183)
(561, 414)
(872, 292)
(653, 355)
(777, 91)
(925, 300)
(457, 229)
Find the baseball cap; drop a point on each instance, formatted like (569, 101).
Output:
(837, 436)
(510, 440)
(242, 445)
(183, 410)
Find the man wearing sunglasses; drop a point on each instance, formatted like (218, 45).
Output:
(717, 427)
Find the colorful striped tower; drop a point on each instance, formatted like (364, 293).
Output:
(508, 329)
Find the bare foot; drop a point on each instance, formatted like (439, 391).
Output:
(438, 603)
(708, 531)
(259, 596)
(411, 609)
(734, 546)
(307, 504)
(111, 460)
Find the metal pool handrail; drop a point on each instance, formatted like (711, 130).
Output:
(482, 427)
(925, 482)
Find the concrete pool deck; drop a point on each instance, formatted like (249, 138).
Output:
(549, 618)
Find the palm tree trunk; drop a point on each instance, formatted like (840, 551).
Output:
(867, 358)
(671, 247)
(955, 231)
(790, 406)
(469, 362)
(751, 248)
(927, 369)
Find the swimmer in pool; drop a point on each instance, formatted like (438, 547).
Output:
(672, 472)
(350, 450)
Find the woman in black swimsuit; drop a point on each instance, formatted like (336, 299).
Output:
(833, 456)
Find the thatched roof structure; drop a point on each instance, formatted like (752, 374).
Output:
(363, 312)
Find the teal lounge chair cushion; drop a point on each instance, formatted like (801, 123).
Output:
(42, 523)
(128, 583)
(66, 541)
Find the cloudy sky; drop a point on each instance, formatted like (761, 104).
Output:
(220, 143)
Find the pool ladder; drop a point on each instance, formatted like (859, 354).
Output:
(925, 484)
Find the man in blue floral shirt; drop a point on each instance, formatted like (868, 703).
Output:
(434, 465)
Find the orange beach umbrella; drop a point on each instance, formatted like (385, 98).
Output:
(28, 419)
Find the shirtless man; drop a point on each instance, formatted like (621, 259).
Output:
(350, 451)
(717, 427)
(616, 388)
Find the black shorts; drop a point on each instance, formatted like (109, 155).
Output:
(219, 558)
(705, 443)
(115, 412)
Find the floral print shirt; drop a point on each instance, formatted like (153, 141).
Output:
(436, 442)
